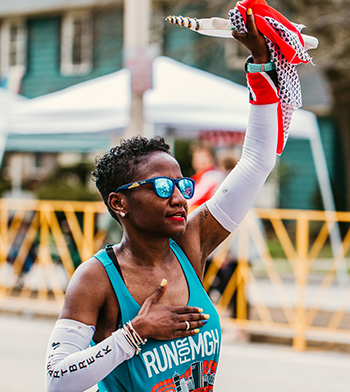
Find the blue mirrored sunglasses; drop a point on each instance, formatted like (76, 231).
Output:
(164, 186)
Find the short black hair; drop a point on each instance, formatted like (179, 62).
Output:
(119, 165)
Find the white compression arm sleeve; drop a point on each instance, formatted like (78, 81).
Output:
(237, 193)
(73, 366)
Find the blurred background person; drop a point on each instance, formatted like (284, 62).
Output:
(207, 175)
(226, 160)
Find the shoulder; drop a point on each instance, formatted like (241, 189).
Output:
(88, 272)
(86, 293)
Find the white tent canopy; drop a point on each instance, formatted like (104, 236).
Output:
(100, 104)
(185, 98)
(7, 101)
(188, 100)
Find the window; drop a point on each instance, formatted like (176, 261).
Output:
(13, 50)
(76, 48)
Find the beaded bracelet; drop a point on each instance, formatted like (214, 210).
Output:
(133, 338)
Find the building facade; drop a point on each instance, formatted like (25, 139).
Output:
(48, 45)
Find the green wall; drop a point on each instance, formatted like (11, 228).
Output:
(299, 187)
(298, 181)
(43, 57)
(191, 48)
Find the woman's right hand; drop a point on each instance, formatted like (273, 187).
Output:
(164, 322)
(254, 40)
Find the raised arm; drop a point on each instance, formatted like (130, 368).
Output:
(211, 223)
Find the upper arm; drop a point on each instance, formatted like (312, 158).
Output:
(85, 295)
(203, 235)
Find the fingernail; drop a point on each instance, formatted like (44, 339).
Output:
(233, 28)
(200, 310)
(196, 330)
(204, 321)
(206, 316)
(249, 11)
(164, 283)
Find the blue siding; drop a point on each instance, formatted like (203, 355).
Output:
(299, 185)
(335, 159)
(43, 70)
(191, 48)
(298, 181)
(108, 54)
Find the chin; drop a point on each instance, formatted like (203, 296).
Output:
(179, 232)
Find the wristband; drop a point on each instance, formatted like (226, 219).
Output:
(250, 67)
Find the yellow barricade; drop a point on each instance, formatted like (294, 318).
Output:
(277, 273)
(304, 292)
(35, 241)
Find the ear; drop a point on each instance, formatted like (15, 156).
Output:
(117, 203)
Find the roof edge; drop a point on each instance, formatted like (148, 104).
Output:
(23, 8)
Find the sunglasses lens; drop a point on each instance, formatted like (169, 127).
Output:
(186, 187)
(164, 187)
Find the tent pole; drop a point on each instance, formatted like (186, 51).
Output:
(4, 126)
(329, 206)
(3, 139)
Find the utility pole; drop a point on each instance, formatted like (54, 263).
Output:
(138, 57)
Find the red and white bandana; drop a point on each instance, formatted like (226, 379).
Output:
(287, 50)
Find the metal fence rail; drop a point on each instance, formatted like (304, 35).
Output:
(294, 290)
(300, 294)
(35, 241)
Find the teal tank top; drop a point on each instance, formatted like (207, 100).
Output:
(178, 365)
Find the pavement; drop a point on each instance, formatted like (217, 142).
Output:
(244, 366)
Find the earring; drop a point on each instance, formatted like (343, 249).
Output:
(122, 214)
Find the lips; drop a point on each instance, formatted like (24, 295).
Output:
(179, 216)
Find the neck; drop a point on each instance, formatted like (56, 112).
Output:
(150, 252)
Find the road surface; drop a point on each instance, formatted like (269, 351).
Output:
(244, 367)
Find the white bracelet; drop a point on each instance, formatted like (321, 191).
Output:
(132, 337)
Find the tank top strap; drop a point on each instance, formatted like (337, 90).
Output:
(127, 303)
(187, 267)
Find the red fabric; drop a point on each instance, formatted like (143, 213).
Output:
(263, 88)
(280, 134)
(266, 93)
(260, 10)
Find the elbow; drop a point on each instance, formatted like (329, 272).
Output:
(54, 385)
(51, 386)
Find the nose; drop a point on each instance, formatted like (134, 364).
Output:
(177, 197)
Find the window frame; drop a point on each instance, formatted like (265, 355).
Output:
(67, 66)
(6, 68)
